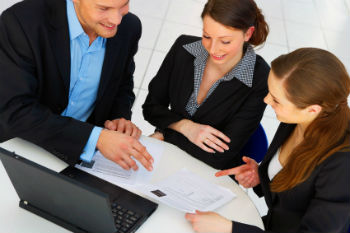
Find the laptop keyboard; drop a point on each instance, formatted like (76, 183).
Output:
(124, 219)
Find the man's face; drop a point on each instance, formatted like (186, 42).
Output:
(100, 17)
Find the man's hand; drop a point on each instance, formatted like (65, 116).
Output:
(247, 174)
(123, 126)
(119, 148)
(209, 222)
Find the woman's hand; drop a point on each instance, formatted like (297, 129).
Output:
(246, 175)
(157, 135)
(209, 222)
(206, 137)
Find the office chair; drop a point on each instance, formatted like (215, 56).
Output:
(257, 145)
(255, 148)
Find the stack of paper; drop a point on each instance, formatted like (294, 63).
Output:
(188, 192)
(183, 190)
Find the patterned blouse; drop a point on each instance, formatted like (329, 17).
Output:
(243, 71)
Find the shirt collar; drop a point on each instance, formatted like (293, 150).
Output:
(243, 71)
(75, 28)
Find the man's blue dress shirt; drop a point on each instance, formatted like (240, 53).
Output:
(86, 67)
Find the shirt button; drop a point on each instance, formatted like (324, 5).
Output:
(72, 103)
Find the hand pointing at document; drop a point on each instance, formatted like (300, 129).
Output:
(119, 148)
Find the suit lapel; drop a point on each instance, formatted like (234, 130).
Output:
(61, 48)
(59, 38)
(282, 134)
(113, 47)
(222, 92)
(187, 86)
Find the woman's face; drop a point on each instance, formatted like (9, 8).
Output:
(285, 110)
(224, 44)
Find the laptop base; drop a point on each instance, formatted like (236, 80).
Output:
(76, 200)
(51, 218)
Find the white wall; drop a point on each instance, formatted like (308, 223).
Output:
(347, 2)
(4, 4)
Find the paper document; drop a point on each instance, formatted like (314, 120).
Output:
(112, 172)
(188, 192)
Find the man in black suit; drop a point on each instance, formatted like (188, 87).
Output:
(57, 93)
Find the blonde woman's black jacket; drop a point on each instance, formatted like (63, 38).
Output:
(233, 108)
(319, 204)
(35, 77)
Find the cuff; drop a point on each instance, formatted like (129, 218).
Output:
(238, 227)
(159, 130)
(90, 147)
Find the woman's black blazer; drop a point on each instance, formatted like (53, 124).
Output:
(319, 204)
(233, 108)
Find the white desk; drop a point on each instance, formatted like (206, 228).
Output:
(164, 219)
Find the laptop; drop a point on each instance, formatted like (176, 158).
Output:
(75, 199)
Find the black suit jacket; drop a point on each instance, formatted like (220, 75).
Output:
(319, 204)
(35, 77)
(232, 108)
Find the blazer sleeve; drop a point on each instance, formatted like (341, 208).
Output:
(125, 97)
(329, 207)
(156, 107)
(240, 127)
(21, 113)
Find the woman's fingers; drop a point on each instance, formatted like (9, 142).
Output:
(219, 134)
(205, 148)
(232, 171)
(212, 144)
(244, 175)
(218, 144)
(249, 183)
(248, 160)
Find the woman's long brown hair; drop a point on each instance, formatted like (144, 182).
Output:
(314, 76)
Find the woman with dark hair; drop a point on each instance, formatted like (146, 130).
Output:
(305, 175)
(208, 94)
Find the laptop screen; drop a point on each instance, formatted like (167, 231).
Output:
(58, 196)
